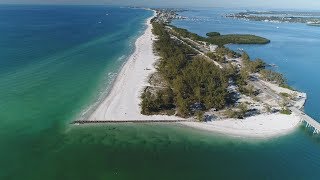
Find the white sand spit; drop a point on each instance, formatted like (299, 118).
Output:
(261, 126)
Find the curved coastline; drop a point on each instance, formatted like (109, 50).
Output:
(123, 99)
(104, 93)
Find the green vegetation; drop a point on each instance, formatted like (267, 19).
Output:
(287, 86)
(220, 40)
(238, 114)
(232, 114)
(200, 115)
(237, 39)
(212, 34)
(252, 66)
(258, 66)
(268, 108)
(285, 111)
(285, 95)
(201, 81)
(194, 83)
(216, 57)
(161, 102)
(272, 76)
(248, 90)
(185, 33)
(222, 51)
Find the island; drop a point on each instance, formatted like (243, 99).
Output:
(178, 76)
(309, 18)
(221, 40)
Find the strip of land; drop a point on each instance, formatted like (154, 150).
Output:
(124, 100)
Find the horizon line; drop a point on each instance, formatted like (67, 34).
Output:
(161, 6)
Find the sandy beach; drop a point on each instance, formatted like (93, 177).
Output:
(123, 100)
(260, 126)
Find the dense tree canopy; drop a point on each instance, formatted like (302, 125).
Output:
(273, 76)
(212, 34)
(216, 38)
(252, 66)
(191, 80)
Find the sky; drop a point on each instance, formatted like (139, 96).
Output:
(282, 4)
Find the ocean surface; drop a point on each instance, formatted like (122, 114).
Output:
(55, 62)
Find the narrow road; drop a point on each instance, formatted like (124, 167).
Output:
(259, 85)
(200, 52)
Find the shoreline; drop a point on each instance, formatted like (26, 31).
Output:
(87, 113)
(261, 126)
(123, 99)
(122, 102)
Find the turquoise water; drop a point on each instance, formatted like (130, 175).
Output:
(56, 60)
(53, 59)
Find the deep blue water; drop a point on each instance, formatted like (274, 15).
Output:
(294, 47)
